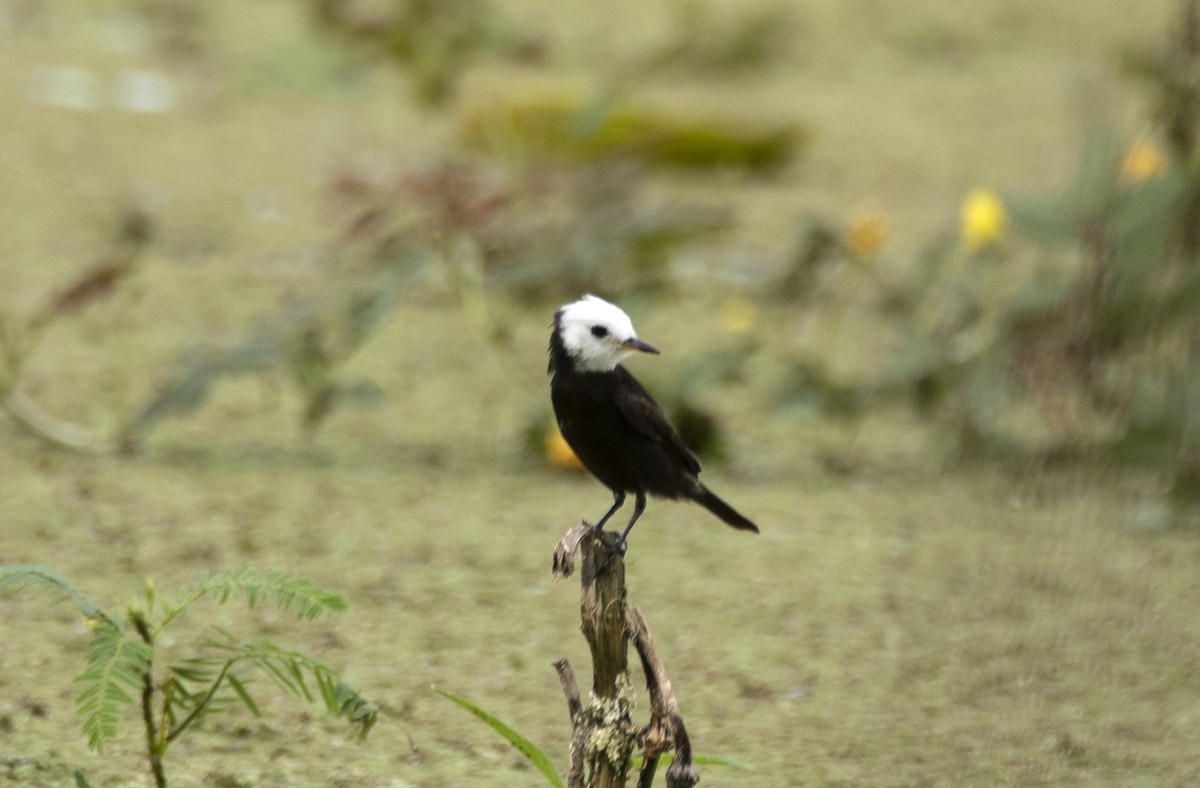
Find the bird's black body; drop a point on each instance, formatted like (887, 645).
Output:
(623, 437)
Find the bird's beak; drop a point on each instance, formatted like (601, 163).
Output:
(637, 344)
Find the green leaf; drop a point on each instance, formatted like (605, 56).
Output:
(195, 671)
(1150, 205)
(114, 663)
(236, 684)
(320, 403)
(1146, 65)
(720, 760)
(1150, 445)
(44, 578)
(1046, 293)
(261, 349)
(1141, 224)
(988, 388)
(290, 593)
(526, 747)
(182, 395)
(1097, 176)
(367, 312)
(310, 364)
(699, 760)
(289, 670)
(1048, 222)
(345, 701)
(80, 780)
(178, 697)
(282, 676)
(293, 666)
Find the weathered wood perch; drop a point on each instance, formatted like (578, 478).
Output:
(603, 736)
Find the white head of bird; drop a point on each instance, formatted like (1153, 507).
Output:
(597, 335)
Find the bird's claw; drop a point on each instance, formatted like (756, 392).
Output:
(618, 548)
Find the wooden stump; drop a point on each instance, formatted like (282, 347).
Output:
(603, 736)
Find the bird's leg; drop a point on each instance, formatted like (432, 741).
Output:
(618, 502)
(639, 506)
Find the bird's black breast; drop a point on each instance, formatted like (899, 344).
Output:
(620, 434)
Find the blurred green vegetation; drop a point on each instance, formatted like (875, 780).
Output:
(927, 293)
(1091, 350)
(582, 132)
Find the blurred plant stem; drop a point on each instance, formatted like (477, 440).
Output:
(20, 338)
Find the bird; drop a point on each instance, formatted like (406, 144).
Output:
(613, 425)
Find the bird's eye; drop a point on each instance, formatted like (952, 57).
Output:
(599, 331)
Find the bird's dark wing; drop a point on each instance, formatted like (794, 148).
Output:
(644, 415)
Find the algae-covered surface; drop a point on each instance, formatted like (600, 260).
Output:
(902, 619)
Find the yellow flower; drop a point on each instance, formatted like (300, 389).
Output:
(558, 452)
(983, 219)
(1143, 161)
(738, 315)
(867, 233)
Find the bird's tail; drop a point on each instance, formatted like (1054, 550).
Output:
(727, 513)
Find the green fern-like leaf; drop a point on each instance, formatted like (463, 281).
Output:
(178, 698)
(526, 747)
(294, 671)
(287, 591)
(46, 579)
(239, 687)
(115, 663)
(343, 700)
(199, 687)
(188, 688)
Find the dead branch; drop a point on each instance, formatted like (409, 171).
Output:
(602, 732)
(563, 563)
(566, 677)
(665, 730)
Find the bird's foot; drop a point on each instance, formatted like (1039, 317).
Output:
(618, 548)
